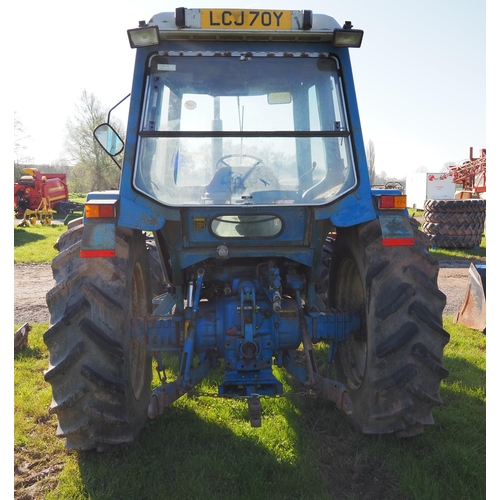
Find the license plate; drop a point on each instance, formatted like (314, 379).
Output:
(246, 19)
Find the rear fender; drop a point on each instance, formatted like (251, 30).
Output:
(98, 239)
(395, 224)
(396, 230)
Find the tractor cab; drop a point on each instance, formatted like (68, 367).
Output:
(235, 108)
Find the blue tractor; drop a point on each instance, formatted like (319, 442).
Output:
(244, 235)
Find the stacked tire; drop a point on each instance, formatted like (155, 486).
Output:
(454, 223)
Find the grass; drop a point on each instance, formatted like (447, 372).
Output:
(35, 244)
(477, 253)
(204, 447)
(78, 197)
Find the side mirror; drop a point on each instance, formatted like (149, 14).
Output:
(109, 140)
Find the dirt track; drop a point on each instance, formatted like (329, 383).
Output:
(33, 281)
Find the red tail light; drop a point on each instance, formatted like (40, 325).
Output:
(392, 202)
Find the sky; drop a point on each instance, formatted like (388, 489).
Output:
(420, 74)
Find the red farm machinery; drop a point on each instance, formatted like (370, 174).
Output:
(38, 195)
(471, 174)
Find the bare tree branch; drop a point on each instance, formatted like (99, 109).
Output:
(20, 138)
(93, 168)
(370, 158)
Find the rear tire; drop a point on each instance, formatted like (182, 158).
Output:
(462, 206)
(455, 217)
(447, 241)
(454, 223)
(435, 229)
(100, 378)
(394, 367)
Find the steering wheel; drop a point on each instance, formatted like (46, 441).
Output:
(222, 161)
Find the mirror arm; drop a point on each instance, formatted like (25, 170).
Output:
(115, 106)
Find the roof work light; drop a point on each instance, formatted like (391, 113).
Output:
(347, 37)
(144, 36)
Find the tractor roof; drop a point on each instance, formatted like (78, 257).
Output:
(241, 24)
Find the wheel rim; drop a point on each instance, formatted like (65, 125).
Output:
(138, 307)
(350, 297)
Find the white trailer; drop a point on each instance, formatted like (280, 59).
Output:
(428, 186)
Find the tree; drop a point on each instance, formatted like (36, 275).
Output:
(370, 159)
(93, 169)
(20, 137)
